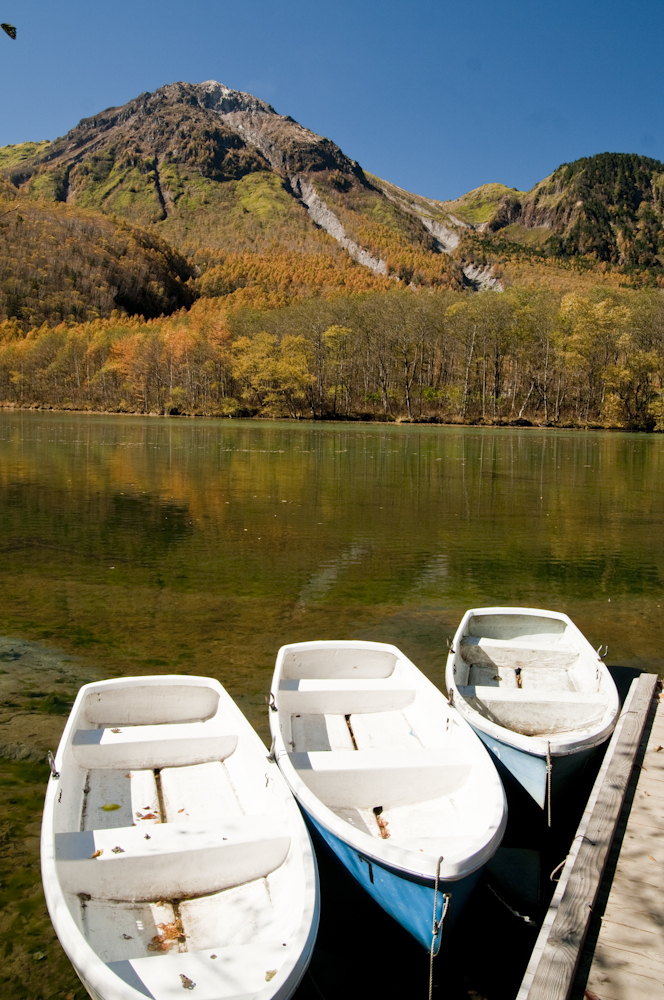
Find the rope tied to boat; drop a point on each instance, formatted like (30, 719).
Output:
(515, 913)
(437, 924)
(549, 768)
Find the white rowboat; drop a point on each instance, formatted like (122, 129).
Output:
(173, 854)
(392, 778)
(534, 690)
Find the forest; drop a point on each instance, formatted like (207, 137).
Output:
(528, 355)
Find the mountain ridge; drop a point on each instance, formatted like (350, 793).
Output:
(215, 173)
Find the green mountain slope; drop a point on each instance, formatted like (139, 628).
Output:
(604, 210)
(212, 168)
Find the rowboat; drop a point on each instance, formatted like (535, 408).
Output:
(173, 854)
(535, 691)
(390, 776)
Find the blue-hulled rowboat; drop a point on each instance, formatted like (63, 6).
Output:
(535, 692)
(390, 776)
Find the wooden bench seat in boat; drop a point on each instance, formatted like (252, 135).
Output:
(141, 703)
(369, 778)
(343, 697)
(144, 747)
(534, 712)
(174, 861)
(239, 971)
(484, 652)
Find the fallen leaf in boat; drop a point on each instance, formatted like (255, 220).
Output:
(180, 811)
(110, 807)
(97, 854)
(213, 956)
(147, 837)
(382, 826)
(147, 816)
(157, 944)
(116, 730)
(187, 983)
(270, 974)
(651, 858)
(118, 850)
(657, 749)
(127, 937)
(38, 955)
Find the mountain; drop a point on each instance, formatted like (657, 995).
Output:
(214, 168)
(221, 195)
(603, 210)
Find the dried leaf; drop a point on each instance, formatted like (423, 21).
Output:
(97, 854)
(186, 982)
(270, 974)
(116, 730)
(38, 955)
(657, 749)
(110, 807)
(171, 932)
(118, 850)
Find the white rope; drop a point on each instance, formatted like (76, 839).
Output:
(437, 924)
(507, 906)
(549, 768)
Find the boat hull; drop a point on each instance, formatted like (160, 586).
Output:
(408, 899)
(528, 770)
(216, 781)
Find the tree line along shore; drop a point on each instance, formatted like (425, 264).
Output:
(528, 355)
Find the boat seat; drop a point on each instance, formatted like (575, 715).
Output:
(149, 747)
(484, 652)
(370, 778)
(238, 971)
(343, 697)
(320, 732)
(174, 861)
(532, 712)
(492, 676)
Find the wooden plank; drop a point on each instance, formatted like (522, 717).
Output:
(641, 942)
(626, 984)
(613, 955)
(550, 973)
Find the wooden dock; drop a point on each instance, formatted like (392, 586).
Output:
(603, 935)
(625, 947)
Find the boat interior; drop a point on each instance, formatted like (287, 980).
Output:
(364, 740)
(172, 849)
(529, 674)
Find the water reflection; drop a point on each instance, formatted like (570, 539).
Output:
(205, 544)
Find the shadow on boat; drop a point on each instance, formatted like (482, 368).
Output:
(361, 951)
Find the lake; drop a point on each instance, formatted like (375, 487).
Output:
(148, 545)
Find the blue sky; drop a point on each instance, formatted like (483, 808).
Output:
(437, 97)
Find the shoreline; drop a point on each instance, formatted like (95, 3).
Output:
(521, 424)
